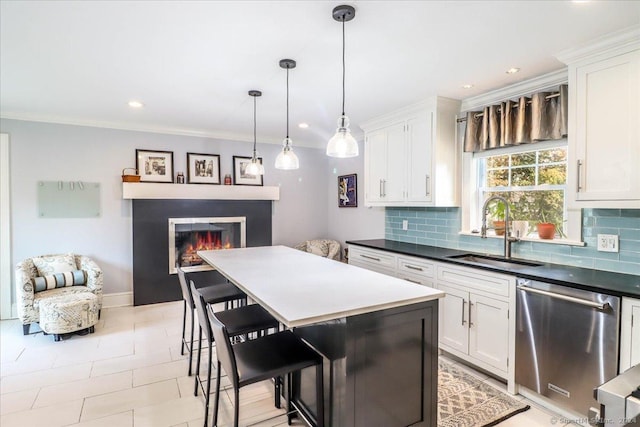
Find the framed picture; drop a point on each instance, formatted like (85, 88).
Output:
(348, 191)
(154, 166)
(203, 168)
(240, 176)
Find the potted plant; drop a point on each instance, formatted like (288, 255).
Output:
(546, 230)
(497, 212)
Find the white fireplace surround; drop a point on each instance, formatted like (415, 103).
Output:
(241, 220)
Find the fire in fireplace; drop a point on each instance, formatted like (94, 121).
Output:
(187, 236)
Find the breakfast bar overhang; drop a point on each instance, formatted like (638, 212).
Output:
(378, 334)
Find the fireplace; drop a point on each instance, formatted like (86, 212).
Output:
(187, 236)
(152, 282)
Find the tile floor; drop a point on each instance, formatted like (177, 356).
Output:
(130, 373)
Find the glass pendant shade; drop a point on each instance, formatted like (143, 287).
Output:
(287, 159)
(255, 167)
(342, 144)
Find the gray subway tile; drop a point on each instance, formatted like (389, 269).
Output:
(618, 222)
(635, 213)
(606, 212)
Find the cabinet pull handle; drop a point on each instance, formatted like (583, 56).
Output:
(380, 188)
(578, 186)
(470, 322)
(413, 281)
(370, 257)
(427, 192)
(413, 267)
(384, 188)
(463, 303)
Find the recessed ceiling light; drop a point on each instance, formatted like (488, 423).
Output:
(467, 86)
(136, 104)
(513, 70)
(303, 125)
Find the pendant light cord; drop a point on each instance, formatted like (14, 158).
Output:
(343, 68)
(287, 104)
(254, 127)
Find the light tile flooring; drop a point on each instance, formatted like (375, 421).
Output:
(130, 373)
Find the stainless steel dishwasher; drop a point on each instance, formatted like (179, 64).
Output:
(566, 342)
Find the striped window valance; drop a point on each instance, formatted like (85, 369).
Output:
(539, 117)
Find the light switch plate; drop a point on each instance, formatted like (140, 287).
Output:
(405, 224)
(608, 243)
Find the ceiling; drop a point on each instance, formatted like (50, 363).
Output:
(192, 62)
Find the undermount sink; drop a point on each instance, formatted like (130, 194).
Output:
(495, 261)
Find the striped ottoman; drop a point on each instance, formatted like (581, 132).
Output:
(68, 313)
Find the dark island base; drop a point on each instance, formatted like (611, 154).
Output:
(381, 368)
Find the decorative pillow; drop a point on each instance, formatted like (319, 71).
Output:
(55, 264)
(59, 280)
(318, 248)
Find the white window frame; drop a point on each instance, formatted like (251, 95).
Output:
(471, 215)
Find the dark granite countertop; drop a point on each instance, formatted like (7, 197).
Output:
(584, 278)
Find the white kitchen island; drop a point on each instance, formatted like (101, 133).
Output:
(378, 334)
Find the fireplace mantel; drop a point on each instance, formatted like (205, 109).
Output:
(148, 190)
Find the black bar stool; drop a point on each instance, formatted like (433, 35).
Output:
(223, 292)
(239, 321)
(269, 356)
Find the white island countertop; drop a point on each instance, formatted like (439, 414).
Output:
(299, 288)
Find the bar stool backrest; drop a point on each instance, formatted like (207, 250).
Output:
(203, 319)
(224, 349)
(186, 293)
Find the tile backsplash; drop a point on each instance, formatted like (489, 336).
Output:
(441, 227)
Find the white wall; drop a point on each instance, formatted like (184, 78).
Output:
(52, 152)
(351, 223)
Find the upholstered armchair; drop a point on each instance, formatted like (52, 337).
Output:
(50, 276)
(322, 247)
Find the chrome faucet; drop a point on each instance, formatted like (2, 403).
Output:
(508, 239)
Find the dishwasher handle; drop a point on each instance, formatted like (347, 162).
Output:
(596, 305)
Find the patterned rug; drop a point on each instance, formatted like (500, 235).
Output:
(465, 401)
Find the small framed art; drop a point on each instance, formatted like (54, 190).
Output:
(240, 175)
(348, 191)
(203, 168)
(154, 166)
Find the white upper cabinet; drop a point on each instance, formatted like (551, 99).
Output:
(604, 123)
(411, 156)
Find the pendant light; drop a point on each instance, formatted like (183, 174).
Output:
(342, 144)
(255, 167)
(287, 159)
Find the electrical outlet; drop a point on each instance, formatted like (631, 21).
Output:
(608, 243)
(405, 224)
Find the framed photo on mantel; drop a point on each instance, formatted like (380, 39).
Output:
(203, 168)
(240, 175)
(154, 166)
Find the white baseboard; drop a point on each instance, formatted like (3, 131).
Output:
(117, 299)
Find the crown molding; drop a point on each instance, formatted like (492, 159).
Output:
(225, 136)
(536, 84)
(615, 43)
(411, 109)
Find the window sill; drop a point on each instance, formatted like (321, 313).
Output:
(566, 242)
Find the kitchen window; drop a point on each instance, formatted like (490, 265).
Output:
(531, 177)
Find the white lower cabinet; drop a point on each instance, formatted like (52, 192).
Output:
(413, 269)
(371, 259)
(488, 330)
(454, 319)
(474, 317)
(629, 334)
